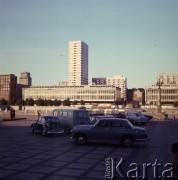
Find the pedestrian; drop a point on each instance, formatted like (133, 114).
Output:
(11, 113)
(174, 118)
(39, 114)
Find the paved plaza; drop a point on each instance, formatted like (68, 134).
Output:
(24, 155)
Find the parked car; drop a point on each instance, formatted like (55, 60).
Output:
(137, 118)
(94, 119)
(109, 130)
(119, 115)
(71, 117)
(47, 125)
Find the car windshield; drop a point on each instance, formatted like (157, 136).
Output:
(130, 124)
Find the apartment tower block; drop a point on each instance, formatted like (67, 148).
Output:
(78, 63)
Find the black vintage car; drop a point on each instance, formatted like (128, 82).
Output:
(47, 125)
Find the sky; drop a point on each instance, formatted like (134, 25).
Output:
(134, 38)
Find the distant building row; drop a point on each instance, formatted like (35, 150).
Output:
(100, 91)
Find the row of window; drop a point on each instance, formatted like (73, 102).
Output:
(168, 97)
(74, 97)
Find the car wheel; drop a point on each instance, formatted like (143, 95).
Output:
(127, 141)
(81, 140)
(43, 132)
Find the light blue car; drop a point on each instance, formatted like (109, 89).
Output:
(137, 118)
(109, 130)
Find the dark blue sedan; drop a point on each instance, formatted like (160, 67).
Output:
(109, 130)
(47, 125)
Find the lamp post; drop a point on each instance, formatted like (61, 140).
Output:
(159, 108)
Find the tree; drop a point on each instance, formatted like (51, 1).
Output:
(175, 104)
(29, 102)
(49, 102)
(12, 101)
(3, 101)
(20, 102)
(82, 102)
(74, 102)
(57, 102)
(39, 102)
(66, 102)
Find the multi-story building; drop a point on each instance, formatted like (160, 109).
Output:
(99, 81)
(78, 63)
(90, 94)
(8, 84)
(25, 79)
(118, 81)
(169, 90)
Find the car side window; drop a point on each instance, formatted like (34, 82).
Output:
(103, 124)
(116, 124)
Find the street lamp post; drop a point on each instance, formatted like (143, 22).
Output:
(159, 108)
(159, 114)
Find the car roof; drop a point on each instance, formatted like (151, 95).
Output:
(115, 119)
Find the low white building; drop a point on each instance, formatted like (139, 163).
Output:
(91, 94)
(169, 94)
(169, 90)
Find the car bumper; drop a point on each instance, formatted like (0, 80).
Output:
(141, 140)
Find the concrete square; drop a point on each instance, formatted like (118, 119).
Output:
(42, 169)
(17, 166)
(70, 172)
(79, 166)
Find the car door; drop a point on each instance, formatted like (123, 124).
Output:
(39, 124)
(116, 131)
(100, 131)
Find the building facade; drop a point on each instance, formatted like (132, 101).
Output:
(169, 90)
(119, 81)
(90, 94)
(169, 94)
(78, 63)
(8, 85)
(25, 79)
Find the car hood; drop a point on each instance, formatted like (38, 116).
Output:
(140, 129)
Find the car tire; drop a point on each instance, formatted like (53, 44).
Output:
(81, 139)
(43, 132)
(127, 141)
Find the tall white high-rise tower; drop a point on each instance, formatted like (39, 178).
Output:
(78, 63)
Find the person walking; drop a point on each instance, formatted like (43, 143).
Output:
(39, 113)
(12, 113)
